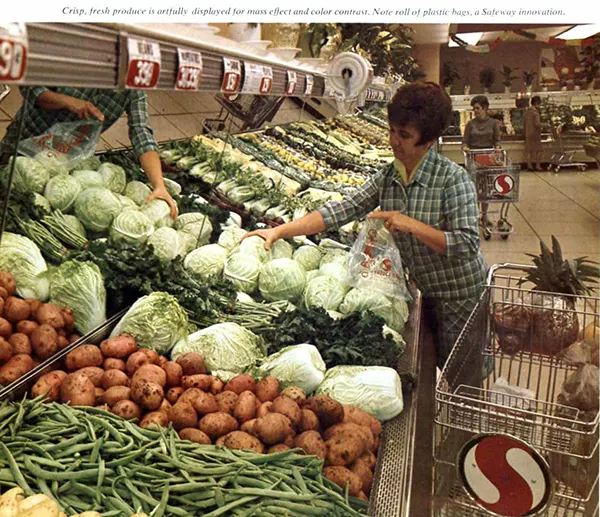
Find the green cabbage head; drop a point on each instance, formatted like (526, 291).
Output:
(156, 321)
(61, 192)
(138, 192)
(374, 389)
(127, 203)
(29, 176)
(80, 286)
(325, 292)
(206, 262)
(394, 312)
(75, 225)
(22, 259)
(159, 212)
(88, 179)
(230, 237)
(255, 246)
(113, 177)
(243, 271)
(131, 226)
(281, 249)
(196, 224)
(228, 349)
(92, 163)
(309, 257)
(282, 279)
(166, 243)
(96, 208)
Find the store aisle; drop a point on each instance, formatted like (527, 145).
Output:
(566, 205)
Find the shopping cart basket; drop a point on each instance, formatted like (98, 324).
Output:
(496, 181)
(566, 145)
(522, 399)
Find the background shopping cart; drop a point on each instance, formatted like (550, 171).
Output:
(566, 145)
(496, 181)
(530, 410)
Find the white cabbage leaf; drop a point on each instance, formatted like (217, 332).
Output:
(243, 271)
(206, 262)
(282, 279)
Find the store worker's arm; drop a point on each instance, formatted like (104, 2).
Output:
(49, 100)
(146, 148)
(331, 215)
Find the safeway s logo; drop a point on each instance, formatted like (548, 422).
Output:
(505, 477)
(504, 184)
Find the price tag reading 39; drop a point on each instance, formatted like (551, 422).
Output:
(291, 83)
(144, 63)
(232, 74)
(190, 70)
(258, 79)
(13, 51)
(310, 81)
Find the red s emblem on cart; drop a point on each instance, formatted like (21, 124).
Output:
(504, 184)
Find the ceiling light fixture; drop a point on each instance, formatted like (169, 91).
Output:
(468, 37)
(580, 31)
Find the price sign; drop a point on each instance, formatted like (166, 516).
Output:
(232, 74)
(13, 51)
(310, 81)
(258, 79)
(291, 83)
(144, 63)
(190, 70)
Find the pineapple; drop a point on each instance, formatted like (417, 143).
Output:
(554, 324)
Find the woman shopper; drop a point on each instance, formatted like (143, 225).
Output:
(481, 132)
(532, 127)
(430, 206)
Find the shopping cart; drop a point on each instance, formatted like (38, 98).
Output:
(566, 145)
(520, 400)
(496, 181)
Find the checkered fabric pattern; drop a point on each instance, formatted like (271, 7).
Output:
(111, 103)
(441, 195)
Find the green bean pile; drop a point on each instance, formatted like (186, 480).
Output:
(88, 459)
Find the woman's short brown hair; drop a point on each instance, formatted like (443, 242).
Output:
(424, 106)
(482, 100)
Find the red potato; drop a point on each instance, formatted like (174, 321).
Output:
(152, 373)
(44, 342)
(127, 409)
(5, 328)
(61, 374)
(266, 407)
(308, 421)
(199, 380)
(248, 426)
(191, 363)
(34, 305)
(2, 305)
(17, 366)
(61, 332)
(329, 411)
(74, 337)
(49, 314)
(227, 401)
(16, 310)
(3, 294)
(344, 449)
(280, 447)
(99, 396)
(240, 383)
(48, 385)
(162, 361)
(183, 415)
(112, 378)
(288, 407)
(148, 395)
(238, 440)
(342, 476)
(273, 428)
(135, 361)
(195, 435)
(216, 386)
(205, 403)
(7, 281)
(62, 342)
(174, 393)
(112, 363)
(369, 459)
(220, 441)
(347, 429)
(155, 419)
(359, 416)
(190, 395)
(115, 394)
(77, 390)
(69, 318)
(95, 374)
(311, 443)
(119, 347)
(151, 354)
(218, 424)
(165, 406)
(26, 327)
(267, 389)
(245, 406)
(290, 440)
(174, 373)
(82, 356)
(6, 350)
(365, 474)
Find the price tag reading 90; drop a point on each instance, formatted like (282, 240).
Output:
(190, 70)
(13, 51)
(144, 64)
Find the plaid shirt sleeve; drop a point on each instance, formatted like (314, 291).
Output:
(140, 133)
(34, 92)
(338, 213)
(462, 213)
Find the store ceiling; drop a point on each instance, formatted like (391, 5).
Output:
(437, 33)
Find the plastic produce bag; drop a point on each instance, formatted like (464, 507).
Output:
(374, 262)
(580, 389)
(64, 145)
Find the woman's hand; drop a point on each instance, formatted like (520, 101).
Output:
(396, 221)
(270, 236)
(162, 193)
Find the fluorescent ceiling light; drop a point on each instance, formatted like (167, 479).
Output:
(469, 37)
(581, 32)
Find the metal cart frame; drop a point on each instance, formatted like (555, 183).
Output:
(567, 144)
(496, 181)
(466, 404)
